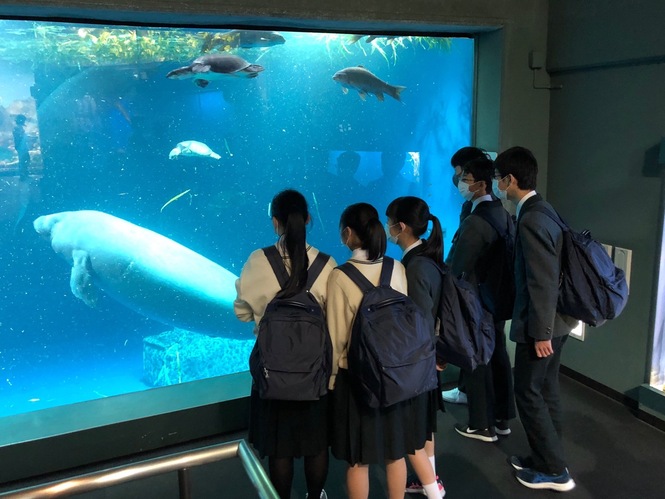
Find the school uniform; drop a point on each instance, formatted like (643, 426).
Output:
(281, 428)
(489, 388)
(424, 283)
(360, 434)
(538, 249)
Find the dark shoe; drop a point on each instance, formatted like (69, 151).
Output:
(501, 427)
(413, 485)
(537, 480)
(520, 463)
(486, 435)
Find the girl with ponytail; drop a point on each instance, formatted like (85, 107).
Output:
(285, 429)
(408, 220)
(361, 435)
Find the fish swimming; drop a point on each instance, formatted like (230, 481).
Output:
(365, 82)
(245, 39)
(192, 148)
(215, 67)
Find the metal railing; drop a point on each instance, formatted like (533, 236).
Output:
(180, 462)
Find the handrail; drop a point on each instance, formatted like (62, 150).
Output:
(175, 462)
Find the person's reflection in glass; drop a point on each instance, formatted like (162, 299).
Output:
(22, 149)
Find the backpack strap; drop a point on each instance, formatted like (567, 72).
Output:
(277, 263)
(357, 277)
(503, 232)
(279, 268)
(539, 208)
(315, 269)
(386, 271)
(362, 282)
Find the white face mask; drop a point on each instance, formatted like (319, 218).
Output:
(503, 195)
(391, 238)
(463, 189)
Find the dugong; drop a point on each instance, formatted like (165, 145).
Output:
(145, 271)
(192, 148)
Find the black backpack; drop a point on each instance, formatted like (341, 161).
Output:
(591, 288)
(292, 356)
(497, 287)
(391, 356)
(466, 329)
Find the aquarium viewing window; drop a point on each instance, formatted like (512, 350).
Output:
(136, 168)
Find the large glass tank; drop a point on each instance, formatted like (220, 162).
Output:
(148, 167)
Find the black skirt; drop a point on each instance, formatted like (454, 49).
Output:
(285, 428)
(360, 434)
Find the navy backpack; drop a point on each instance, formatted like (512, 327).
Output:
(391, 356)
(466, 329)
(591, 288)
(292, 356)
(496, 285)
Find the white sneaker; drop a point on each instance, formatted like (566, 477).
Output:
(454, 396)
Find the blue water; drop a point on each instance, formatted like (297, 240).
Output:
(105, 131)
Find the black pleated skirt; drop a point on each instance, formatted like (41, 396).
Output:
(360, 434)
(285, 428)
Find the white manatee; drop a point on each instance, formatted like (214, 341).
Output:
(192, 148)
(143, 270)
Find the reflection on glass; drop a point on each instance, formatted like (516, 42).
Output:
(164, 147)
(658, 353)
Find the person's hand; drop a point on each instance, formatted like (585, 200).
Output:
(440, 366)
(544, 348)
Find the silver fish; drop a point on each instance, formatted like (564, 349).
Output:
(365, 82)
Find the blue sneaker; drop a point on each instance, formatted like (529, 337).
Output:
(538, 480)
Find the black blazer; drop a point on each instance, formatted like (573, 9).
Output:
(424, 284)
(469, 251)
(538, 247)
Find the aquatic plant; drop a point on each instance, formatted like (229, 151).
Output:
(85, 45)
(75, 44)
(387, 46)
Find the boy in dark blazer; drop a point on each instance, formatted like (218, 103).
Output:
(457, 161)
(489, 388)
(539, 332)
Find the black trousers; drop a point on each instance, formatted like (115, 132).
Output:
(489, 388)
(539, 404)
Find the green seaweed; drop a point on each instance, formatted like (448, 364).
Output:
(83, 45)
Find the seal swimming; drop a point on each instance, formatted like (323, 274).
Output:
(145, 271)
(192, 148)
(214, 67)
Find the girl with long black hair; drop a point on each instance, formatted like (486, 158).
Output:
(408, 220)
(285, 429)
(361, 435)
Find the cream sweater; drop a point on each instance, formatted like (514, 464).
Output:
(258, 285)
(344, 298)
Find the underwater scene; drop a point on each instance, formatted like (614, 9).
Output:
(136, 170)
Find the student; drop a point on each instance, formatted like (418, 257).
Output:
(457, 161)
(359, 434)
(539, 331)
(489, 389)
(22, 148)
(408, 218)
(282, 429)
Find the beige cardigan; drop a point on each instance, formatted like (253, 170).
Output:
(258, 285)
(344, 298)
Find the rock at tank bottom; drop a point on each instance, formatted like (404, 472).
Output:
(179, 356)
